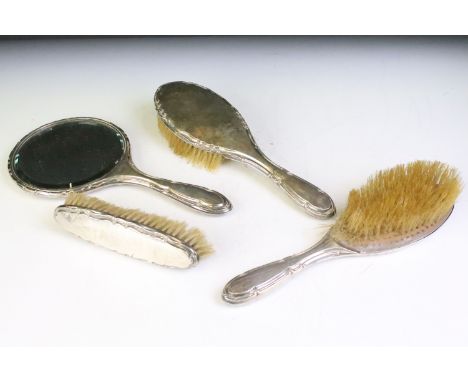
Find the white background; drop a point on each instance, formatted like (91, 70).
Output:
(333, 111)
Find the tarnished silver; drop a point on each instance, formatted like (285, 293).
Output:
(207, 121)
(196, 197)
(257, 281)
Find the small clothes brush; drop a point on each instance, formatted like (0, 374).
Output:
(395, 208)
(203, 127)
(134, 233)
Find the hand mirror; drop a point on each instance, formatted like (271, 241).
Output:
(81, 154)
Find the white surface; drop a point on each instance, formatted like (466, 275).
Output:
(332, 111)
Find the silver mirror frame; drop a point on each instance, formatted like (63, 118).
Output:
(99, 182)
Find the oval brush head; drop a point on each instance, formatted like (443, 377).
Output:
(398, 205)
(132, 232)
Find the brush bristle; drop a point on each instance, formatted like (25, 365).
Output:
(191, 237)
(210, 161)
(398, 202)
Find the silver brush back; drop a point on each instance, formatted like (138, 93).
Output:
(205, 120)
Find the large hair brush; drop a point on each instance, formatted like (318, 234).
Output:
(203, 127)
(395, 208)
(134, 233)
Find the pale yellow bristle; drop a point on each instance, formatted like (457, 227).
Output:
(206, 159)
(399, 201)
(191, 237)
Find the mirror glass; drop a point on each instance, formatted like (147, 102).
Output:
(69, 153)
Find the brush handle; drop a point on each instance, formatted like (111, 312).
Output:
(196, 197)
(315, 202)
(259, 280)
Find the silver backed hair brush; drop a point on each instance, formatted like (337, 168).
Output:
(396, 207)
(203, 127)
